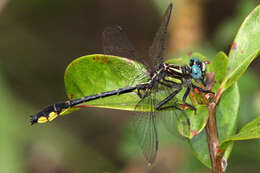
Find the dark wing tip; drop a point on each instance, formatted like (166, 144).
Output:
(169, 12)
(171, 5)
(169, 9)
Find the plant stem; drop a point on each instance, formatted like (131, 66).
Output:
(212, 131)
(213, 141)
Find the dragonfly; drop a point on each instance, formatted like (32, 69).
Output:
(157, 94)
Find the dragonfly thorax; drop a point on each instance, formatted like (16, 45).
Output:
(159, 73)
(177, 71)
(181, 74)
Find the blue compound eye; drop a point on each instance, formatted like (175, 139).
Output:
(196, 72)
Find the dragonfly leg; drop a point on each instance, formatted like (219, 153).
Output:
(185, 97)
(163, 102)
(202, 90)
(169, 107)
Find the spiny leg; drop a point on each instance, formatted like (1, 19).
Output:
(185, 97)
(168, 107)
(167, 99)
(202, 90)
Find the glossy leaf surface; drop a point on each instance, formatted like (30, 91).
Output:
(245, 48)
(93, 74)
(250, 131)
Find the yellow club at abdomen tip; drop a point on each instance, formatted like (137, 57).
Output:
(52, 116)
(42, 120)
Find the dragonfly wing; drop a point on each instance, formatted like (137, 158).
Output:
(174, 119)
(115, 42)
(176, 122)
(145, 128)
(157, 50)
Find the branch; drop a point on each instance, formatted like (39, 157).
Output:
(212, 132)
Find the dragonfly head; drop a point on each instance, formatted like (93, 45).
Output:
(198, 69)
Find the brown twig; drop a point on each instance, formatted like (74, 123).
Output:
(213, 141)
(212, 133)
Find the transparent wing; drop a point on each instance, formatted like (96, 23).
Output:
(157, 50)
(115, 42)
(170, 120)
(145, 123)
(174, 119)
(145, 128)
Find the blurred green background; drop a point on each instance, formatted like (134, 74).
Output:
(39, 38)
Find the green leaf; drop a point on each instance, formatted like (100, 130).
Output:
(245, 48)
(218, 65)
(93, 74)
(250, 131)
(197, 120)
(227, 115)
